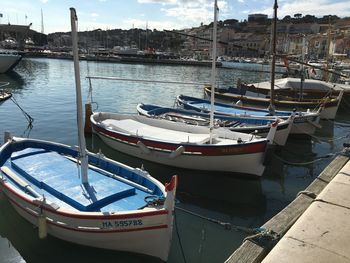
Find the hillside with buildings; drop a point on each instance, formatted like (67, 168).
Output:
(248, 38)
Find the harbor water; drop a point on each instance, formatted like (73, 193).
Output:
(44, 89)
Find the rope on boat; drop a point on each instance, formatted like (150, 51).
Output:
(26, 115)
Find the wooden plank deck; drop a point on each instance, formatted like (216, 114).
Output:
(253, 252)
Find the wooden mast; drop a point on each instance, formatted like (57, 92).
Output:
(213, 71)
(82, 145)
(273, 62)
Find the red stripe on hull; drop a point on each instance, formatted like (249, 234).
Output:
(86, 230)
(197, 149)
(90, 217)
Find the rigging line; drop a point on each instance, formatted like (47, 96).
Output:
(146, 80)
(26, 115)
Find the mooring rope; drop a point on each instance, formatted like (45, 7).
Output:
(26, 115)
(260, 235)
(306, 163)
(226, 225)
(178, 237)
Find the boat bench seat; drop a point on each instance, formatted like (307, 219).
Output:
(59, 176)
(146, 131)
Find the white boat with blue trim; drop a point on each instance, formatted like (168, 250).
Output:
(118, 208)
(243, 124)
(305, 122)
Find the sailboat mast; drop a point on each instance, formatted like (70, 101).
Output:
(273, 62)
(213, 70)
(302, 73)
(82, 146)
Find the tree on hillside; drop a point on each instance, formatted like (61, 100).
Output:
(287, 19)
(309, 19)
(297, 16)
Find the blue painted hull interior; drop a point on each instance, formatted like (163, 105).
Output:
(153, 110)
(56, 175)
(202, 104)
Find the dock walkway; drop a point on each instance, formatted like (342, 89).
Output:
(313, 228)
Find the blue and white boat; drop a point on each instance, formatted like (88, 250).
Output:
(303, 123)
(247, 125)
(86, 198)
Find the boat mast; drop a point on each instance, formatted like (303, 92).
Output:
(82, 146)
(213, 71)
(273, 62)
(302, 73)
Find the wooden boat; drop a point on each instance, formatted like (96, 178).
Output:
(330, 104)
(290, 88)
(247, 125)
(303, 123)
(8, 60)
(182, 145)
(113, 210)
(86, 198)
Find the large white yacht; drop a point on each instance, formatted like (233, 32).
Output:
(8, 60)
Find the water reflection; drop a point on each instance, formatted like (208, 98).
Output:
(209, 190)
(46, 92)
(15, 80)
(24, 237)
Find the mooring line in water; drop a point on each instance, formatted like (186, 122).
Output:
(26, 115)
(178, 237)
(262, 236)
(306, 163)
(226, 225)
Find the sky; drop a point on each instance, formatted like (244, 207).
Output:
(155, 14)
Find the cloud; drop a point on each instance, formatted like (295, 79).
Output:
(163, 2)
(159, 25)
(94, 14)
(44, 1)
(317, 8)
(241, 1)
(192, 12)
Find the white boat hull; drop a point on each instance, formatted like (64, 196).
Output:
(241, 164)
(7, 61)
(103, 233)
(107, 225)
(182, 145)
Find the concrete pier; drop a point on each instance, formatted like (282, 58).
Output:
(313, 228)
